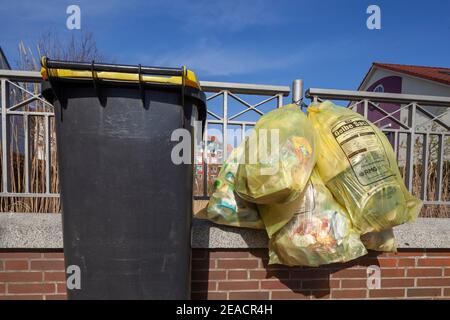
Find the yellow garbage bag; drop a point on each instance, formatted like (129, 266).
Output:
(279, 157)
(225, 206)
(319, 233)
(358, 165)
(380, 241)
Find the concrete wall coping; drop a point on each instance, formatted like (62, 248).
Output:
(44, 231)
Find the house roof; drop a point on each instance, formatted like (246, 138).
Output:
(438, 74)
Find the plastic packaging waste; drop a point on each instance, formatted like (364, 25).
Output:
(319, 232)
(380, 241)
(225, 206)
(279, 157)
(358, 165)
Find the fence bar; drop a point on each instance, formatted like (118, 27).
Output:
(26, 164)
(47, 154)
(297, 91)
(426, 139)
(440, 167)
(366, 108)
(4, 101)
(205, 163)
(396, 137)
(225, 125)
(280, 100)
(244, 88)
(439, 101)
(410, 146)
(31, 113)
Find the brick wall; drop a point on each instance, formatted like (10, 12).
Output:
(244, 274)
(32, 275)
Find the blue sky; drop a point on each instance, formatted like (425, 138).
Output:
(326, 43)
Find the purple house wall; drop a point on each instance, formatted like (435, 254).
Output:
(391, 84)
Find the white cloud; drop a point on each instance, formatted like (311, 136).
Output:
(214, 59)
(207, 57)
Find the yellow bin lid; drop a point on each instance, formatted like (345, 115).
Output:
(189, 76)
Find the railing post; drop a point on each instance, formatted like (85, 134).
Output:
(5, 133)
(410, 141)
(225, 125)
(366, 109)
(297, 91)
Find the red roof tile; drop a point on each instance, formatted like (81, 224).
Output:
(437, 74)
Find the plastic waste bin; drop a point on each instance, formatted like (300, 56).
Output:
(126, 206)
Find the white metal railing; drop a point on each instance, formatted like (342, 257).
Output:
(413, 118)
(418, 127)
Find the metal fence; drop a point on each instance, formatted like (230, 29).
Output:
(230, 119)
(417, 126)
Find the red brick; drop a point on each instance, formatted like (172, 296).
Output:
(320, 284)
(217, 275)
(20, 276)
(289, 294)
(447, 292)
(350, 273)
(238, 285)
(447, 272)
(392, 273)
(31, 288)
(1, 265)
(20, 255)
(388, 262)
(348, 294)
(423, 292)
(395, 283)
(237, 275)
(61, 288)
(434, 262)
(203, 264)
(267, 274)
(2, 288)
(387, 293)
(47, 265)
(250, 295)
(438, 254)
(406, 262)
(23, 297)
(277, 284)
(228, 254)
(54, 276)
(201, 286)
(354, 283)
(16, 265)
(433, 282)
(407, 254)
(56, 297)
(424, 272)
(54, 255)
(237, 264)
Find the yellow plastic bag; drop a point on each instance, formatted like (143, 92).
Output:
(319, 233)
(358, 165)
(380, 241)
(225, 206)
(279, 157)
